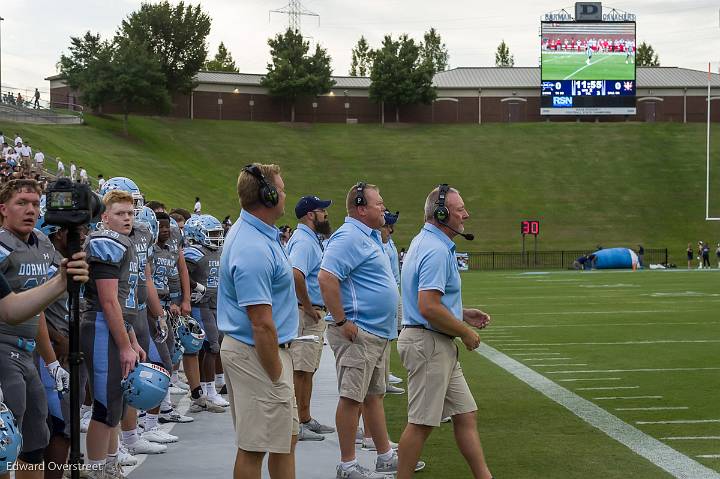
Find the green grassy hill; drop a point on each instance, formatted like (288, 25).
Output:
(612, 184)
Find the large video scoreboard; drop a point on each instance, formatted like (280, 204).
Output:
(588, 68)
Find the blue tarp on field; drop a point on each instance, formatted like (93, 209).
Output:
(615, 258)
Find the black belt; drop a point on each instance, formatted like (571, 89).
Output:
(420, 326)
(318, 306)
(285, 345)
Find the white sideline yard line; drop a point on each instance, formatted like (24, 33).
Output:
(575, 313)
(691, 438)
(536, 354)
(604, 325)
(557, 365)
(588, 379)
(547, 359)
(680, 421)
(709, 456)
(526, 349)
(658, 408)
(675, 463)
(603, 388)
(642, 370)
(633, 343)
(611, 398)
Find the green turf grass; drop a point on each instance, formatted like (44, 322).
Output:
(573, 66)
(526, 435)
(610, 184)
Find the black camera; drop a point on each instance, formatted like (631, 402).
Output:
(71, 204)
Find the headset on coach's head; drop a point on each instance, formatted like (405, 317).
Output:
(267, 194)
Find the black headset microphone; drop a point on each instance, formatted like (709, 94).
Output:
(442, 214)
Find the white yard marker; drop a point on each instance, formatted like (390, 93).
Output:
(709, 456)
(558, 365)
(603, 325)
(659, 408)
(536, 354)
(588, 379)
(602, 388)
(610, 398)
(525, 349)
(623, 343)
(680, 421)
(547, 359)
(644, 370)
(691, 438)
(675, 463)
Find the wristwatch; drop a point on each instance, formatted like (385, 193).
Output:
(340, 323)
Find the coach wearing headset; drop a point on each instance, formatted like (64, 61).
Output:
(258, 312)
(433, 316)
(361, 295)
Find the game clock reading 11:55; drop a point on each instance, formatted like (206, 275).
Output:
(530, 227)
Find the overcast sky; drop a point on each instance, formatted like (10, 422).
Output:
(685, 33)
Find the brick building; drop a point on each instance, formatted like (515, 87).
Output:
(464, 95)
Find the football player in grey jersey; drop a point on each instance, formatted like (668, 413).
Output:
(205, 235)
(26, 261)
(110, 352)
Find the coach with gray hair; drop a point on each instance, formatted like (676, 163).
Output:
(433, 316)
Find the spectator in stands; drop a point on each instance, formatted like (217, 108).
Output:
(2, 138)
(25, 154)
(20, 99)
(73, 171)
(689, 255)
(84, 176)
(18, 139)
(101, 181)
(36, 103)
(197, 209)
(39, 160)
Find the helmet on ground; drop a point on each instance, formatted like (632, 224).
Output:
(10, 439)
(146, 386)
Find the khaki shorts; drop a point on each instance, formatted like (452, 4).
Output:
(436, 385)
(360, 364)
(264, 413)
(306, 355)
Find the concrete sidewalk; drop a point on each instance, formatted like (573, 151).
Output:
(206, 445)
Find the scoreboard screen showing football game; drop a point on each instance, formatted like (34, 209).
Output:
(588, 68)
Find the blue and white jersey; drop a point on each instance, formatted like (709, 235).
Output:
(305, 252)
(430, 265)
(112, 255)
(356, 257)
(203, 265)
(25, 265)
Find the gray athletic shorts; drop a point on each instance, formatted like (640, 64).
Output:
(24, 395)
(140, 326)
(208, 320)
(102, 359)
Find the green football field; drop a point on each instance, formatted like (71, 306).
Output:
(573, 66)
(641, 348)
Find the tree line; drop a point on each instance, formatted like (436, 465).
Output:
(157, 51)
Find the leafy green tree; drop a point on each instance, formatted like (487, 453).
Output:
(433, 50)
(139, 79)
(399, 76)
(87, 69)
(176, 35)
(293, 73)
(503, 58)
(223, 61)
(645, 56)
(361, 59)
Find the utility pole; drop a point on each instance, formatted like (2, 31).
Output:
(1, 20)
(295, 10)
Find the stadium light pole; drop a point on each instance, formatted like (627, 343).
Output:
(1, 20)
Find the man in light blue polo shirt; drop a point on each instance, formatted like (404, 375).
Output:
(257, 311)
(360, 292)
(433, 316)
(305, 251)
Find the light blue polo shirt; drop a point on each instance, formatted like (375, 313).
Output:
(355, 256)
(305, 253)
(430, 264)
(254, 269)
(392, 253)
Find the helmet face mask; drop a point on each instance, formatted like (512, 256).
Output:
(189, 334)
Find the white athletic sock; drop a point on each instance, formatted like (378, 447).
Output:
(387, 456)
(204, 387)
(220, 380)
(151, 421)
(129, 437)
(174, 378)
(166, 403)
(348, 465)
(96, 465)
(111, 459)
(84, 409)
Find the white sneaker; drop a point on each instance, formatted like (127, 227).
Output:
(392, 379)
(85, 421)
(446, 419)
(204, 404)
(173, 416)
(159, 436)
(218, 400)
(143, 446)
(181, 385)
(390, 389)
(369, 444)
(125, 458)
(176, 391)
(114, 471)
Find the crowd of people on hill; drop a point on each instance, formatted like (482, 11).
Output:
(701, 254)
(10, 98)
